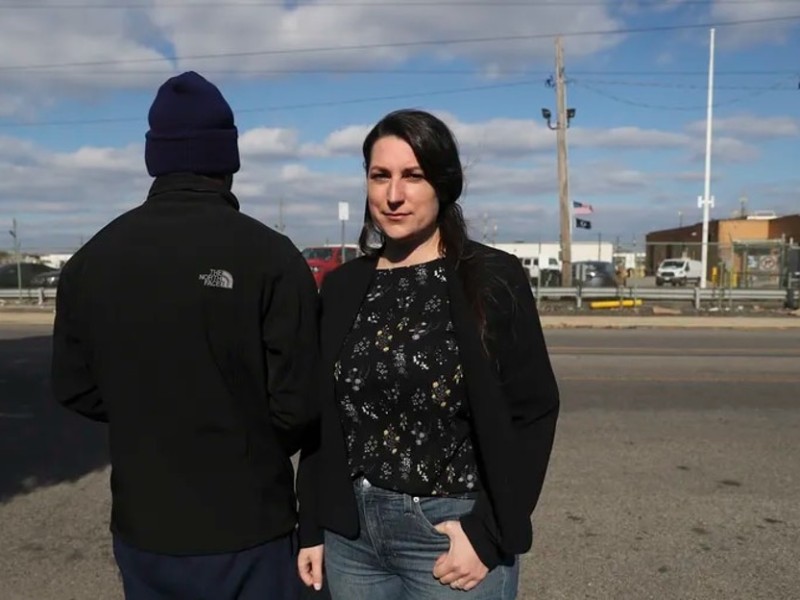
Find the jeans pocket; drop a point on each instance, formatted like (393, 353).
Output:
(433, 511)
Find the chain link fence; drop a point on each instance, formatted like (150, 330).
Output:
(748, 264)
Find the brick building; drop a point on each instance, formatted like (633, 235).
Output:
(753, 248)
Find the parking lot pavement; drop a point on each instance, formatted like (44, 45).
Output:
(45, 317)
(674, 474)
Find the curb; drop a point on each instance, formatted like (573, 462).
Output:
(741, 323)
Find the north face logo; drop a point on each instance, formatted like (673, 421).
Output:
(218, 278)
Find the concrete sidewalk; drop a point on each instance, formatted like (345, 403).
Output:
(668, 322)
(45, 317)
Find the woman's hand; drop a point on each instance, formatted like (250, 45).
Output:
(460, 567)
(309, 566)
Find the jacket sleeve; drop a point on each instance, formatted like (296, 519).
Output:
(71, 377)
(529, 385)
(290, 336)
(310, 532)
(308, 471)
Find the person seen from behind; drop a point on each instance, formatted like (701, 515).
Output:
(191, 330)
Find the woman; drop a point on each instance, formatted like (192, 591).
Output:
(438, 401)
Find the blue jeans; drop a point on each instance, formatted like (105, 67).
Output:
(393, 557)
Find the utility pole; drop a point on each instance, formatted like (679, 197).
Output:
(17, 255)
(280, 226)
(707, 201)
(565, 211)
(564, 117)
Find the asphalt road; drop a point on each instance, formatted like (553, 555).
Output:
(675, 473)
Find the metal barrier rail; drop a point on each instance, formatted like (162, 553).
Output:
(28, 293)
(695, 295)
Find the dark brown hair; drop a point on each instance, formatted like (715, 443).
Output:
(436, 150)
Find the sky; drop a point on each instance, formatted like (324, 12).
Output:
(308, 79)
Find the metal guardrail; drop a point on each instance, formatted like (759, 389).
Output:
(40, 294)
(695, 295)
(579, 294)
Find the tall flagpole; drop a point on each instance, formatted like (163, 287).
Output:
(706, 202)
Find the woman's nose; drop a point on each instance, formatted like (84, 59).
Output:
(396, 192)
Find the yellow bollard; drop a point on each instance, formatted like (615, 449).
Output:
(615, 303)
(714, 275)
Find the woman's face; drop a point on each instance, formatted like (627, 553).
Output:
(401, 201)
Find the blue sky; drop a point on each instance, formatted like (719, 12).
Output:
(307, 80)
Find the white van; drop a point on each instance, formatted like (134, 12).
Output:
(679, 271)
(541, 269)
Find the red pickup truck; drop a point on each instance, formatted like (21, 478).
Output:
(324, 259)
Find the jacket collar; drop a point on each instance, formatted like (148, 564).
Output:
(190, 187)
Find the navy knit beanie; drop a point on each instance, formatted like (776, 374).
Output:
(191, 129)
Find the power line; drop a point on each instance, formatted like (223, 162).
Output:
(522, 72)
(689, 86)
(287, 107)
(370, 3)
(411, 44)
(665, 107)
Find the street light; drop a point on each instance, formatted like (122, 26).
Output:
(547, 116)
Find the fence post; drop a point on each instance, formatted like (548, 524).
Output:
(696, 298)
(578, 299)
(791, 300)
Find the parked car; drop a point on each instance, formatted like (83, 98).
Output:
(8, 274)
(48, 279)
(324, 259)
(594, 273)
(679, 271)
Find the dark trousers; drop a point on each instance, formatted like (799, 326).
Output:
(265, 572)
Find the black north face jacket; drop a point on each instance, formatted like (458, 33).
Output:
(191, 329)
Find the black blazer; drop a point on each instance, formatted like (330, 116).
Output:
(512, 394)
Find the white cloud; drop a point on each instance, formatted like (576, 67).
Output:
(627, 137)
(751, 127)
(61, 196)
(253, 40)
(744, 35)
(269, 142)
(725, 150)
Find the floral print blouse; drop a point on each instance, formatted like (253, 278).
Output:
(400, 387)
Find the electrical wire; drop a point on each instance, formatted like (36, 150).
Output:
(409, 44)
(289, 107)
(371, 4)
(664, 107)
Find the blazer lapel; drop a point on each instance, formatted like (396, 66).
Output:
(343, 308)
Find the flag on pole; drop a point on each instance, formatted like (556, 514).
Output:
(579, 208)
(583, 224)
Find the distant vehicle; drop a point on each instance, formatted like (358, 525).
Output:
(8, 274)
(594, 273)
(48, 279)
(324, 259)
(679, 271)
(542, 270)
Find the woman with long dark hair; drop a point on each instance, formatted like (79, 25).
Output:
(438, 402)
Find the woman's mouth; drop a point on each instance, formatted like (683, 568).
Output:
(395, 216)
